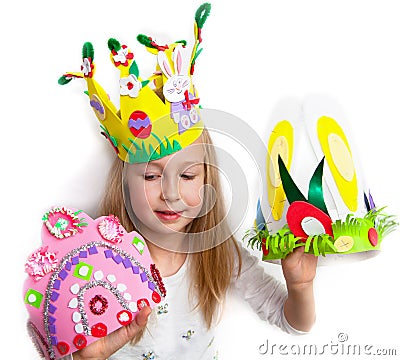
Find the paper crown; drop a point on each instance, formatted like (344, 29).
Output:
(89, 278)
(309, 153)
(152, 122)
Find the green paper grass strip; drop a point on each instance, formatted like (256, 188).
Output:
(143, 155)
(356, 227)
(384, 223)
(112, 138)
(284, 242)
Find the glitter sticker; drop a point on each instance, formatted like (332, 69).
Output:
(95, 302)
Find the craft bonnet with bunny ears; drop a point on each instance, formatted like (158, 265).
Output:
(158, 115)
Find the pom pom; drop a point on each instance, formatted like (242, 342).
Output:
(202, 14)
(88, 51)
(114, 44)
(145, 40)
(63, 80)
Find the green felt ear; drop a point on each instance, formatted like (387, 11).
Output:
(88, 51)
(291, 190)
(315, 191)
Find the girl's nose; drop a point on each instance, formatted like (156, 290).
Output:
(170, 189)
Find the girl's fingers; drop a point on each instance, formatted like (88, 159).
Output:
(120, 337)
(108, 345)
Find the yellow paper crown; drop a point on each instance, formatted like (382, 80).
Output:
(152, 122)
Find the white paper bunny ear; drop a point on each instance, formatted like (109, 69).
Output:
(164, 64)
(181, 60)
(331, 137)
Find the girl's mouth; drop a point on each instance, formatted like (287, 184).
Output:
(168, 215)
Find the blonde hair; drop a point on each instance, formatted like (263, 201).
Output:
(211, 270)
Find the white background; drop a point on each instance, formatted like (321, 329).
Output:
(255, 53)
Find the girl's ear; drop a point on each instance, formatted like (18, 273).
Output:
(163, 62)
(181, 60)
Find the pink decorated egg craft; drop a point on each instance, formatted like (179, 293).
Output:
(86, 280)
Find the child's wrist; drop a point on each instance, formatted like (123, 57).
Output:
(300, 287)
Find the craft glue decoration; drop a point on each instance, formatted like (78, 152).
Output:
(309, 153)
(85, 285)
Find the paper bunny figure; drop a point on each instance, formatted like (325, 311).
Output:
(177, 88)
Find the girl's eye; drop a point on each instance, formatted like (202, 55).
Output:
(150, 177)
(188, 176)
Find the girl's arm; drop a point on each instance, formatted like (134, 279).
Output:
(299, 270)
(269, 298)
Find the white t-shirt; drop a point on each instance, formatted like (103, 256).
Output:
(176, 332)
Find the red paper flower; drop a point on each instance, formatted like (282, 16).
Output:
(122, 56)
(87, 67)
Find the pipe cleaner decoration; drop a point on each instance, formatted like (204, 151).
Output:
(158, 115)
(350, 223)
(88, 284)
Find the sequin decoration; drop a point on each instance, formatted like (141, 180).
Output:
(95, 301)
(38, 340)
(189, 334)
(157, 278)
(124, 317)
(162, 309)
(110, 229)
(148, 356)
(62, 222)
(40, 263)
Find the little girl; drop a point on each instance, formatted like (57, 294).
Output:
(166, 198)
(170, 192)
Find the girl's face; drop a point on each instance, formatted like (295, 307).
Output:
(167, 194)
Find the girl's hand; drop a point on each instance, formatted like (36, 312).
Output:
(106, 346)
(299, 268)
